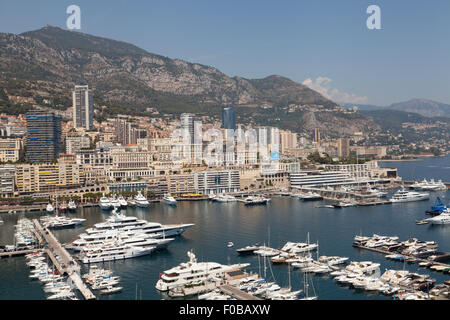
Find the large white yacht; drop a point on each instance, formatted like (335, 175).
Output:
(225, 198)
(126, 223)
(168, 199)
(104, 203)
(403, 195)
(193, 272)
(115, 202)
(114, 252)
(443, 218)
(123, 203)
(141, 201)
(60, 222)
(429, 186)
(127, 237)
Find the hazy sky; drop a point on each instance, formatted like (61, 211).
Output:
(324, 44)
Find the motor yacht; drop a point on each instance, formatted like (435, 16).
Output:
(310, 196)
(168, 199)
(429, 186)
(123, 203)
(253, 200)
(115, 204)
(61, 222)
(443, 218)
(50, 208)
(225, 198)
(403, 195)
(193, 272)
(104, 203)
(71, 206)
(141, 201)
(247, 249)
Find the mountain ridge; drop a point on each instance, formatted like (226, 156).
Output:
(48, 62)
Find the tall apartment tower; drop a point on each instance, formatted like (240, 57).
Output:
(187, 125)
(83, 109)
(228, 118)
(316, 135)
(343, 148)
(43, 142)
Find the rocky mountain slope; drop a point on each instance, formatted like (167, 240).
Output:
(45, 64)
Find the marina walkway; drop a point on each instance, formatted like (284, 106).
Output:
(69, 265)
(238, 294)
(17, 253)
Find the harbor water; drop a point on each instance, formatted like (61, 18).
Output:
(283, 219)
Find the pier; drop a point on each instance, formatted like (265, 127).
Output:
(69, 266)
(16, 253)
(235, 292)
(442, 256)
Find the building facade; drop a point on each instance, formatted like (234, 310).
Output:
(43, 142)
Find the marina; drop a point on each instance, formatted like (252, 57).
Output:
(283, 219)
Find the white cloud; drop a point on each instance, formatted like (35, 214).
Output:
(321, 85)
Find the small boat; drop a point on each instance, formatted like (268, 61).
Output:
(111, 289)
(230, 244)
(420, 222)
(49, 208)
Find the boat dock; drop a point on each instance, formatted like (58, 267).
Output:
(68, 265)
(17, 253)
(236, 293)
(442, 256)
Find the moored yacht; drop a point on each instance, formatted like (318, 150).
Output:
(443, 218)
(251, 200)
(141, 201)
(225, 198)
(72, 206)
(104, 203)
(403, 195)
(49, 208)
(193, 272)
(168, 199)
(123, 203)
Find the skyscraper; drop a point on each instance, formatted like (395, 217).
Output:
(228, 118)
(343, 148)
(316, 136)
(187, 126)
(43, 142)
(83, 110)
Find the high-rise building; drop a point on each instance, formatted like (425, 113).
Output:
(343, 148)
(316, 136)
(187, 125)
(83, 109)
(228, 118)
(126, 133)
(43, 142)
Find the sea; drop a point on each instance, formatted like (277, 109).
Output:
(283, 219)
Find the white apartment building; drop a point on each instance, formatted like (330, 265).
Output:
(215, 182)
